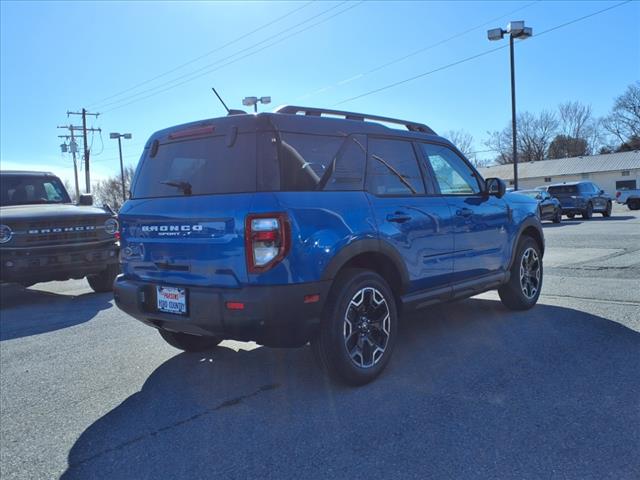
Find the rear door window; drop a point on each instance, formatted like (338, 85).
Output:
(202, 166)
(393, 168)
(321, 162)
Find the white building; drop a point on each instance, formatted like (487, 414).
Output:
(611, 171)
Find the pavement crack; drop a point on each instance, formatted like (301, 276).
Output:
(225, 404)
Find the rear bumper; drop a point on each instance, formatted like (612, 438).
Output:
(273, 315)
(57, 262)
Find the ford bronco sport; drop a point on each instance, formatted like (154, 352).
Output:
(314, 225)
(44, 236)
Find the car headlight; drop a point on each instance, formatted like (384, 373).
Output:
(111, 226)
(5, 234)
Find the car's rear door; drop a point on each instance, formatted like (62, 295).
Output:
(409, 217)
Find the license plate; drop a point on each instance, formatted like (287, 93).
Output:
(172, 300)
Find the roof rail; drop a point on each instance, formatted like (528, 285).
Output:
(318, 112)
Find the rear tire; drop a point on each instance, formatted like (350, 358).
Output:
(588, 213)
(633, 204)
(607, 211)
(358, 329)
(522, 290)
(103, 281)
(557, 218)
(189, 343)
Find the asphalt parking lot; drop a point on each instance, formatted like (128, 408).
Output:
(473, 390)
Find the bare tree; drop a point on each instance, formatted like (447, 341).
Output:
(461, 139)
(70, 190)
(624, 120)
(109, 190)
(535, 133)
(578, 124)
(564, 146)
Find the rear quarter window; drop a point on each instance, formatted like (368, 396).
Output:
(207, 165)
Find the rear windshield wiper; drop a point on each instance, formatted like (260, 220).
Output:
(184, 186)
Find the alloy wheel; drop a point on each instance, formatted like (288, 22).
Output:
(367, 327)
(530, 269)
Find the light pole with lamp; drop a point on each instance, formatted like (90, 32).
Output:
(514, 30)
(249, 101)
(119, 136)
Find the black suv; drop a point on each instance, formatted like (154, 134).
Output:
(44, 236)
(585, 198)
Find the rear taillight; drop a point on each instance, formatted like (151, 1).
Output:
(618, 194)
(267, 239)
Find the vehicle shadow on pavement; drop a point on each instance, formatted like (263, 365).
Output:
(19, 318)
(473, 391)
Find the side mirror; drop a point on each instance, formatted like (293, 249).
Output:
(86, 199)
(539, 196)
(495, 187)
(601, 192)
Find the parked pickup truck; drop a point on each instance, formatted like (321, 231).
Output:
(44, 236)
(630, 198)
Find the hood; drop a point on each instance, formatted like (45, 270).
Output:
(515, 198)
(54, 211)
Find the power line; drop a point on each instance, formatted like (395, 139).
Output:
(211, 70)
(478, 55)
(206, 54)
(208, 68)
(415, 52)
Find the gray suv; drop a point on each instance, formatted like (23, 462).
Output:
(585, 198)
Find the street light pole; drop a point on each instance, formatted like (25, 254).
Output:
(514, 30)
(119, 136)
(124, 194)
(514, 138)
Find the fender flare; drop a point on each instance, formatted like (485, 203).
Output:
(529, 222)
(367, 245)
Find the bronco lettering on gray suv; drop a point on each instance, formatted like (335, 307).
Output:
(314, 225)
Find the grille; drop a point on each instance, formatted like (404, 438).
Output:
(61, 232)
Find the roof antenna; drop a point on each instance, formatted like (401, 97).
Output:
(221, 101)
(229, 112)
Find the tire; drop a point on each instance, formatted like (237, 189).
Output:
(557, 218)
(571, 215)
(189, 343)
(522, 290)
(607, 211)
(633, 204)
(358, 329)
(103, 281)
(588, 213)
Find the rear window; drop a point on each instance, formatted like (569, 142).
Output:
(202, 166)
(563, 189)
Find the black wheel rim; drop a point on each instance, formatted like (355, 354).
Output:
(530, 273)
(367, 327)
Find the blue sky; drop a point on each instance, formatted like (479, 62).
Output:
(59, 56)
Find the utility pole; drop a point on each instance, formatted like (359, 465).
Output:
(84, 114)
(74, 149)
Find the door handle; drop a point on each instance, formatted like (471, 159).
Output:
(464, 212)
(398, 217)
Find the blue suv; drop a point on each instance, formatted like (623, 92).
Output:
(314, 225)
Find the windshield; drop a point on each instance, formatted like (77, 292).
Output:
(31, 190)
(202, 166)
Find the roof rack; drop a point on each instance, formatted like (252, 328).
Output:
(318, 112)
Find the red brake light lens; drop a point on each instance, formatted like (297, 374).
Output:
(267, 239)
(192, 132)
